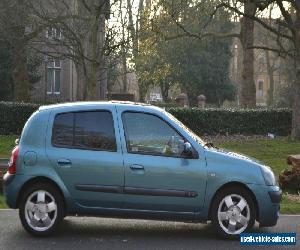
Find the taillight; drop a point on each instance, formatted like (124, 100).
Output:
(12, 166)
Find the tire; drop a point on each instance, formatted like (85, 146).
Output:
(233, 212)
(41, 209)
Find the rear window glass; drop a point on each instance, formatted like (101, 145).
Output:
(62, 134)
(92, 130)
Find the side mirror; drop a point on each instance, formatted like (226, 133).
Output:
(187, 148)
(189, 151)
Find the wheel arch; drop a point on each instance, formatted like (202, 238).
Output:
(235, 184)
(41, 179)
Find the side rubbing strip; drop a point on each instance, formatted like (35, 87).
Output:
(97, 188)
(159, 192)
(138, 191)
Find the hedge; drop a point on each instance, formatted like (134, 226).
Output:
(236, 121)
(203, 122)
(13, 116)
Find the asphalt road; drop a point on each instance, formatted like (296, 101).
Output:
(97, 233)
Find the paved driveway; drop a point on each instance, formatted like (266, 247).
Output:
(97, 233)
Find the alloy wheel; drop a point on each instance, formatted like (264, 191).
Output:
(233, 214)
(40, 210)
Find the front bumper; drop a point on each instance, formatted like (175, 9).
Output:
(275, 196)
(268, 200)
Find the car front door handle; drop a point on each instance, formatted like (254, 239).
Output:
(136, 167)
(64, 163)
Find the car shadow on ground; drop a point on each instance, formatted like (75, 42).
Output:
(107, 233)
(136, 228)
(93, 227)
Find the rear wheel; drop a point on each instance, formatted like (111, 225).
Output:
(233, 212)
(41, 209)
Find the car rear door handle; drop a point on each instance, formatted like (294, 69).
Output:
(135, 167)
(64, 163)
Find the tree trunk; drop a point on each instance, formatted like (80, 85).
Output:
(139, 23)
(271, 79)
(164, 91)
(132, 30)
(124, 70)
(91, 85)
(296, 103)
(81, 82)
(19, 60)
(20, 74)
(123, 48)
(248, 90)
(92, 65)
(102, 71)
(102, 79)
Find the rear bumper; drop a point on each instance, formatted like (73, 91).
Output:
(12, 184)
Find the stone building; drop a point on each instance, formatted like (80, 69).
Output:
(60, 75)
(117, 87)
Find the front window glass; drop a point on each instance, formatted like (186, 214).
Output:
(149, 134)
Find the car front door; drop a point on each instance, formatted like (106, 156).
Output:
(85, 150)
(158, 176)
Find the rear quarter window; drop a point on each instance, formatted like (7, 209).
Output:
(63, 130)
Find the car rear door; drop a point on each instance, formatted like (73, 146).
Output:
(84, 147)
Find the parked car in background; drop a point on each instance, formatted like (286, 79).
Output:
(125, 160)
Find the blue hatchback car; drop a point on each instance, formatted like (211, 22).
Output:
(125, 160)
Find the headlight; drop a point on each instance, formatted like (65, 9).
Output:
(268, 175)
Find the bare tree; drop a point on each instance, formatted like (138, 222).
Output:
(288, 30)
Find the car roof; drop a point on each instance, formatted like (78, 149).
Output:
(100, 103)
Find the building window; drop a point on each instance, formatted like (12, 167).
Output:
(53, 33)
(261, 64)
(53, 77)
(260, 88)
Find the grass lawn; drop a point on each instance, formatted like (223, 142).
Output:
(2, 202)
(7, 143)
(271, 152)
(289, 205)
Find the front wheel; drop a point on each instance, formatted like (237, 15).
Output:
(41, 209)
(233, 212)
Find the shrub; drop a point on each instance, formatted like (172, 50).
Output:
(235, 121)
(203, 122)
(13, 116)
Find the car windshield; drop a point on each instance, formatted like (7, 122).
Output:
(189, 131)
